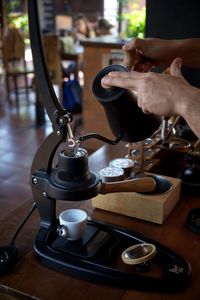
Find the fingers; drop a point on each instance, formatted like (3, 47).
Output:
(106, 83)
(175, 67)
(120, 81)
(145, 110)
(143, 66)
(126, 80)
(134, 57)
(132, 45)
(131, 58)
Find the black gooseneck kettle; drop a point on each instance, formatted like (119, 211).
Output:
(124, 116)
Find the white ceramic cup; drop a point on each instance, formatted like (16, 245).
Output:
(72, 223)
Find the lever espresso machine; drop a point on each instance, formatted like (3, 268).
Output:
(60, 172)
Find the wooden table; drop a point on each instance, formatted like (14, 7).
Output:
(31, 280)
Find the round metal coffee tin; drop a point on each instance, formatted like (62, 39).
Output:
(126, 164)
(111, 174)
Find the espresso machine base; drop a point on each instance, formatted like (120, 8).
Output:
(96, 257)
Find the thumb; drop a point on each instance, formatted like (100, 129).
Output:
(175, 67)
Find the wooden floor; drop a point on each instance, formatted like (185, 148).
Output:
(19, 140)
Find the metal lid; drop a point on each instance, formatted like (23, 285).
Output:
(109, 174)
(126, 164)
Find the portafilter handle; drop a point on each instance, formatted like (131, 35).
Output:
(137, 185)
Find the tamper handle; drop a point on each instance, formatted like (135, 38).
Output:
(138, 185)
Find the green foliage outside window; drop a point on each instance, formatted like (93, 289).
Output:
(136, 20)
(19, 20)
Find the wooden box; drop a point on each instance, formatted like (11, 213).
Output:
(153, 207)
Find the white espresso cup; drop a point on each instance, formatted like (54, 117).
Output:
(72, 223)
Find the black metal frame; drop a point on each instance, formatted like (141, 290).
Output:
(58, 116)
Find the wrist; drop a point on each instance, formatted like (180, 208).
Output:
(190, 103)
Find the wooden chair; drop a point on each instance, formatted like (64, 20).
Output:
(53, 60)
(14, 63)
(52, 57)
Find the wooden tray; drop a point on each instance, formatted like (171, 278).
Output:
(149, 207)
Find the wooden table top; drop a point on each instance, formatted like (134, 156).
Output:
(31, 280)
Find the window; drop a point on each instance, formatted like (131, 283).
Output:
(111, 13)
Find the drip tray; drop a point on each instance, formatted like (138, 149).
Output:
(95, 244)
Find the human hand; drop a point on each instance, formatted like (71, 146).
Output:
(160, 94)
(143, 54)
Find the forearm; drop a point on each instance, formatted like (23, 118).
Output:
(188, 50)
(161, 52)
